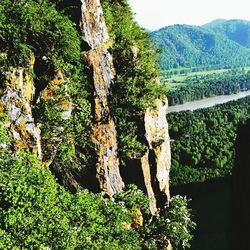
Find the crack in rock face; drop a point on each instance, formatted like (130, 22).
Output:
(148, 183)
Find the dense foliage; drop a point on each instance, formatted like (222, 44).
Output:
(193, 46)
(203, 141)
(201, 86)
(36, 27)
(174, 222)
(37, 213)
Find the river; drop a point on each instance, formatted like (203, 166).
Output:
(207, 102)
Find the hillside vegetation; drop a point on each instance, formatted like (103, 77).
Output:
(221, 44)
(235, 30)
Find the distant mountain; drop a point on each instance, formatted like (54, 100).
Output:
(210, 44)
(235, 30)
(215, 22)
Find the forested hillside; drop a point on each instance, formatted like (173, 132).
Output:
(197, 87)
(194, 46)
(203, 141)
(235, 30)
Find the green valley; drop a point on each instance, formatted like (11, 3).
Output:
(198, 85)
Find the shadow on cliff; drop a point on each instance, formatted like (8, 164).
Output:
(210, 208)
(133, 174)
(239, 234)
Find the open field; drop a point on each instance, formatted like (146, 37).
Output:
(178, 79)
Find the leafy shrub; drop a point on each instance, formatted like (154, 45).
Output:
(174, 225)
(133, 198)
(30, 208)
(177, 222)
(35, 26)
(37, 213)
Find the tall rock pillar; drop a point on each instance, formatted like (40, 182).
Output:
(157, 160)
(104, 132)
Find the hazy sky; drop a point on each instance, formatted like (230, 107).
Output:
(154, 14)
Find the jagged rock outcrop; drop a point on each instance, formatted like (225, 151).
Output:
(157, 160)
(16, 102)
(104, 131)
(158, 154)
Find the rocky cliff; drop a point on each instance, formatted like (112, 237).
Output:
(64, 107)
(157, 160)
(95, 34)
(80, 110)
(104, 131)
(24, 101)
(16, 102)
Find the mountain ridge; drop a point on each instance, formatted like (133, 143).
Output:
(237, 30)
(216, 43)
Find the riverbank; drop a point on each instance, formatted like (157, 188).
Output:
(207, 102)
